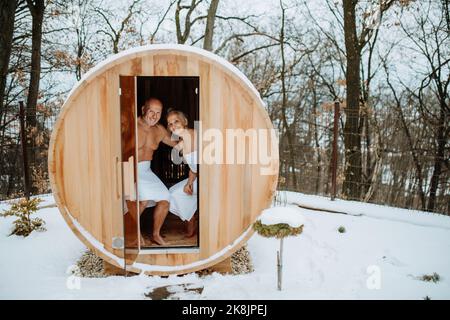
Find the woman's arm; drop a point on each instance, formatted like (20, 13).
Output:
(192, 176)
(189, 187)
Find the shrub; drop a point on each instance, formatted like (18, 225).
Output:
(431, 277)
(23, 209)
(341, 229)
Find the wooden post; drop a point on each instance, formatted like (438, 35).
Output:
(280, 264)
(334, 152)
(23, 137)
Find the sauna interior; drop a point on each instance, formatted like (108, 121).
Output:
(181, 93)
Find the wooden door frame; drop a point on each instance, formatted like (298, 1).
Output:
(130, 254)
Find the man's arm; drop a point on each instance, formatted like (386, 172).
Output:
(167, 137)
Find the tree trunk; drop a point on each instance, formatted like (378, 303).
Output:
(369, 166)
(7, 13)
(36, 8)
(439, 157)
(284, 103)
(352, 139)
(316, 141)
(209, 31)
(37, 12)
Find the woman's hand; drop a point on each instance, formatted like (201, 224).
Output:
(179, 146)
(188, 189)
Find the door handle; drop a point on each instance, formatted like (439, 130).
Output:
(118, 177)
(128, 179)
(132, 182)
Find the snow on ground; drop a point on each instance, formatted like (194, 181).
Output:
(380, 256)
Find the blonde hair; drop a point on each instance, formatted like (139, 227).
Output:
(179, 113)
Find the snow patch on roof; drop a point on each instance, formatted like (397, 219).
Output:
(180, 48)
(289, 215)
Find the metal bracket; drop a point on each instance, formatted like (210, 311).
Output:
(118, 243)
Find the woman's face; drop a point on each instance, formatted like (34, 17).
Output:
(175, 124)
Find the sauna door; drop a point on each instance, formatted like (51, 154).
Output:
(128, 112)
(180, 93)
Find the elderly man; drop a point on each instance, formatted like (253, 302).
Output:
(150, 187)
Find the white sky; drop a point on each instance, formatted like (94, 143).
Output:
(403, 61)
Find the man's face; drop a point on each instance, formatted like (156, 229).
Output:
(153, 113)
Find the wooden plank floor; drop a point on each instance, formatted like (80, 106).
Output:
(173, 231)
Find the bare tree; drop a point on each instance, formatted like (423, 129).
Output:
(353, 48)
(431, 39)
(7, 14)
(288, 133)
(210, 20)
(37, 8)
(83, 35)
(115, 33)
(184, 33)
(410, 139)
(161, 20)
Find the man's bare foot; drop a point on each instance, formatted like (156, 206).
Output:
(142, 241)
(158, 240)
(131, 243)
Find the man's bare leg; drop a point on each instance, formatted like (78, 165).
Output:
(142, 206)
(159, 215)
(131, 231)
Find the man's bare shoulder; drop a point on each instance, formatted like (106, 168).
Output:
(161, 129)
(141, 126)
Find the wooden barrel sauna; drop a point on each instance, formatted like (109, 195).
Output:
(90, 173)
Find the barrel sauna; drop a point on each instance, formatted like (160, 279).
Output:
(92, 176)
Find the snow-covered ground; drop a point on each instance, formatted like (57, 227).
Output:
(381, 255)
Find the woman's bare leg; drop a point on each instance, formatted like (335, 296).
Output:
(191, 226)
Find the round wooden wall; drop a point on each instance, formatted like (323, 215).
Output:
(85, 155)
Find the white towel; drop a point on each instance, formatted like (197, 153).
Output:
(181, 203)
(150, 187)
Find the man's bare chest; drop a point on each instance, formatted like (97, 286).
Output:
(150, 138)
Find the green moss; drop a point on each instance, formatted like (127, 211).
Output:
(279, 230)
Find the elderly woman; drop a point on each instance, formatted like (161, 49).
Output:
(183, 195)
